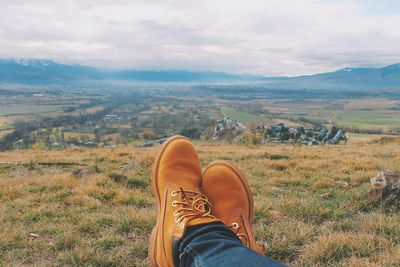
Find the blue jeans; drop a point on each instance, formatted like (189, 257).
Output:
(214, 244)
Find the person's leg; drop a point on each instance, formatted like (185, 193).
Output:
(214, 244)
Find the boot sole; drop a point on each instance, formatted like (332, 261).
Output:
(154, 189)
(249, 194)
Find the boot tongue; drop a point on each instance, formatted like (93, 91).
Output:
(201, 220)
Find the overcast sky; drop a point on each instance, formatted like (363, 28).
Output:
(269, 37)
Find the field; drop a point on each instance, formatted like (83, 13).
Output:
(108, 117)
(368, 119)
(94, 207)
(363, 114)
(15, 109)
(238, 115)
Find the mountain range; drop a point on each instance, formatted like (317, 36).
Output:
(47, 72)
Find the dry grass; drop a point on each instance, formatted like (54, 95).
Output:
(312, 206)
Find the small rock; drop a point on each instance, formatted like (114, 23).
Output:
(82, 172)
(386, 188)
(343, 184)
(327, 195)
(34, 235)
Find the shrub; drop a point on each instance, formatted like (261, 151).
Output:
(96, 165)
(191, 133)
(147, 134)
(39, 146)
(278, 157)
(118, 178)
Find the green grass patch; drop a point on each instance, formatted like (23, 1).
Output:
(366, 119)
(278, 157)
(238, 115)
(139, 181)
(118, 178)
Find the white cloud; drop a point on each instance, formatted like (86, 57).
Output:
(270, 37)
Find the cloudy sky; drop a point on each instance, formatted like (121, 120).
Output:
(269, 37)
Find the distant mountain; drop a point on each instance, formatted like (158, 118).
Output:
(37, 72)
(33, 71)
(354, 78)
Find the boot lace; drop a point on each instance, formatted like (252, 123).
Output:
(193, 205)
(235, 228)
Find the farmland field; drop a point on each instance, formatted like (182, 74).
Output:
(368, 119)
(15, 109)
(239, 115)
(364, 114)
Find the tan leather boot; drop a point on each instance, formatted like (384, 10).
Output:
(176, 183)
(230, 195)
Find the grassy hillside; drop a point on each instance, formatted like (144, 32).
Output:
(94, 207)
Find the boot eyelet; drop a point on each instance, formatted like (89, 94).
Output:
(235, 225)
(174, 203)
(173, 193)
(175, 213)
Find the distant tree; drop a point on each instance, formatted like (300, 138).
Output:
(69, 109)
(209, 132)
(39, 146)
(147, 134)
(191, 133)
